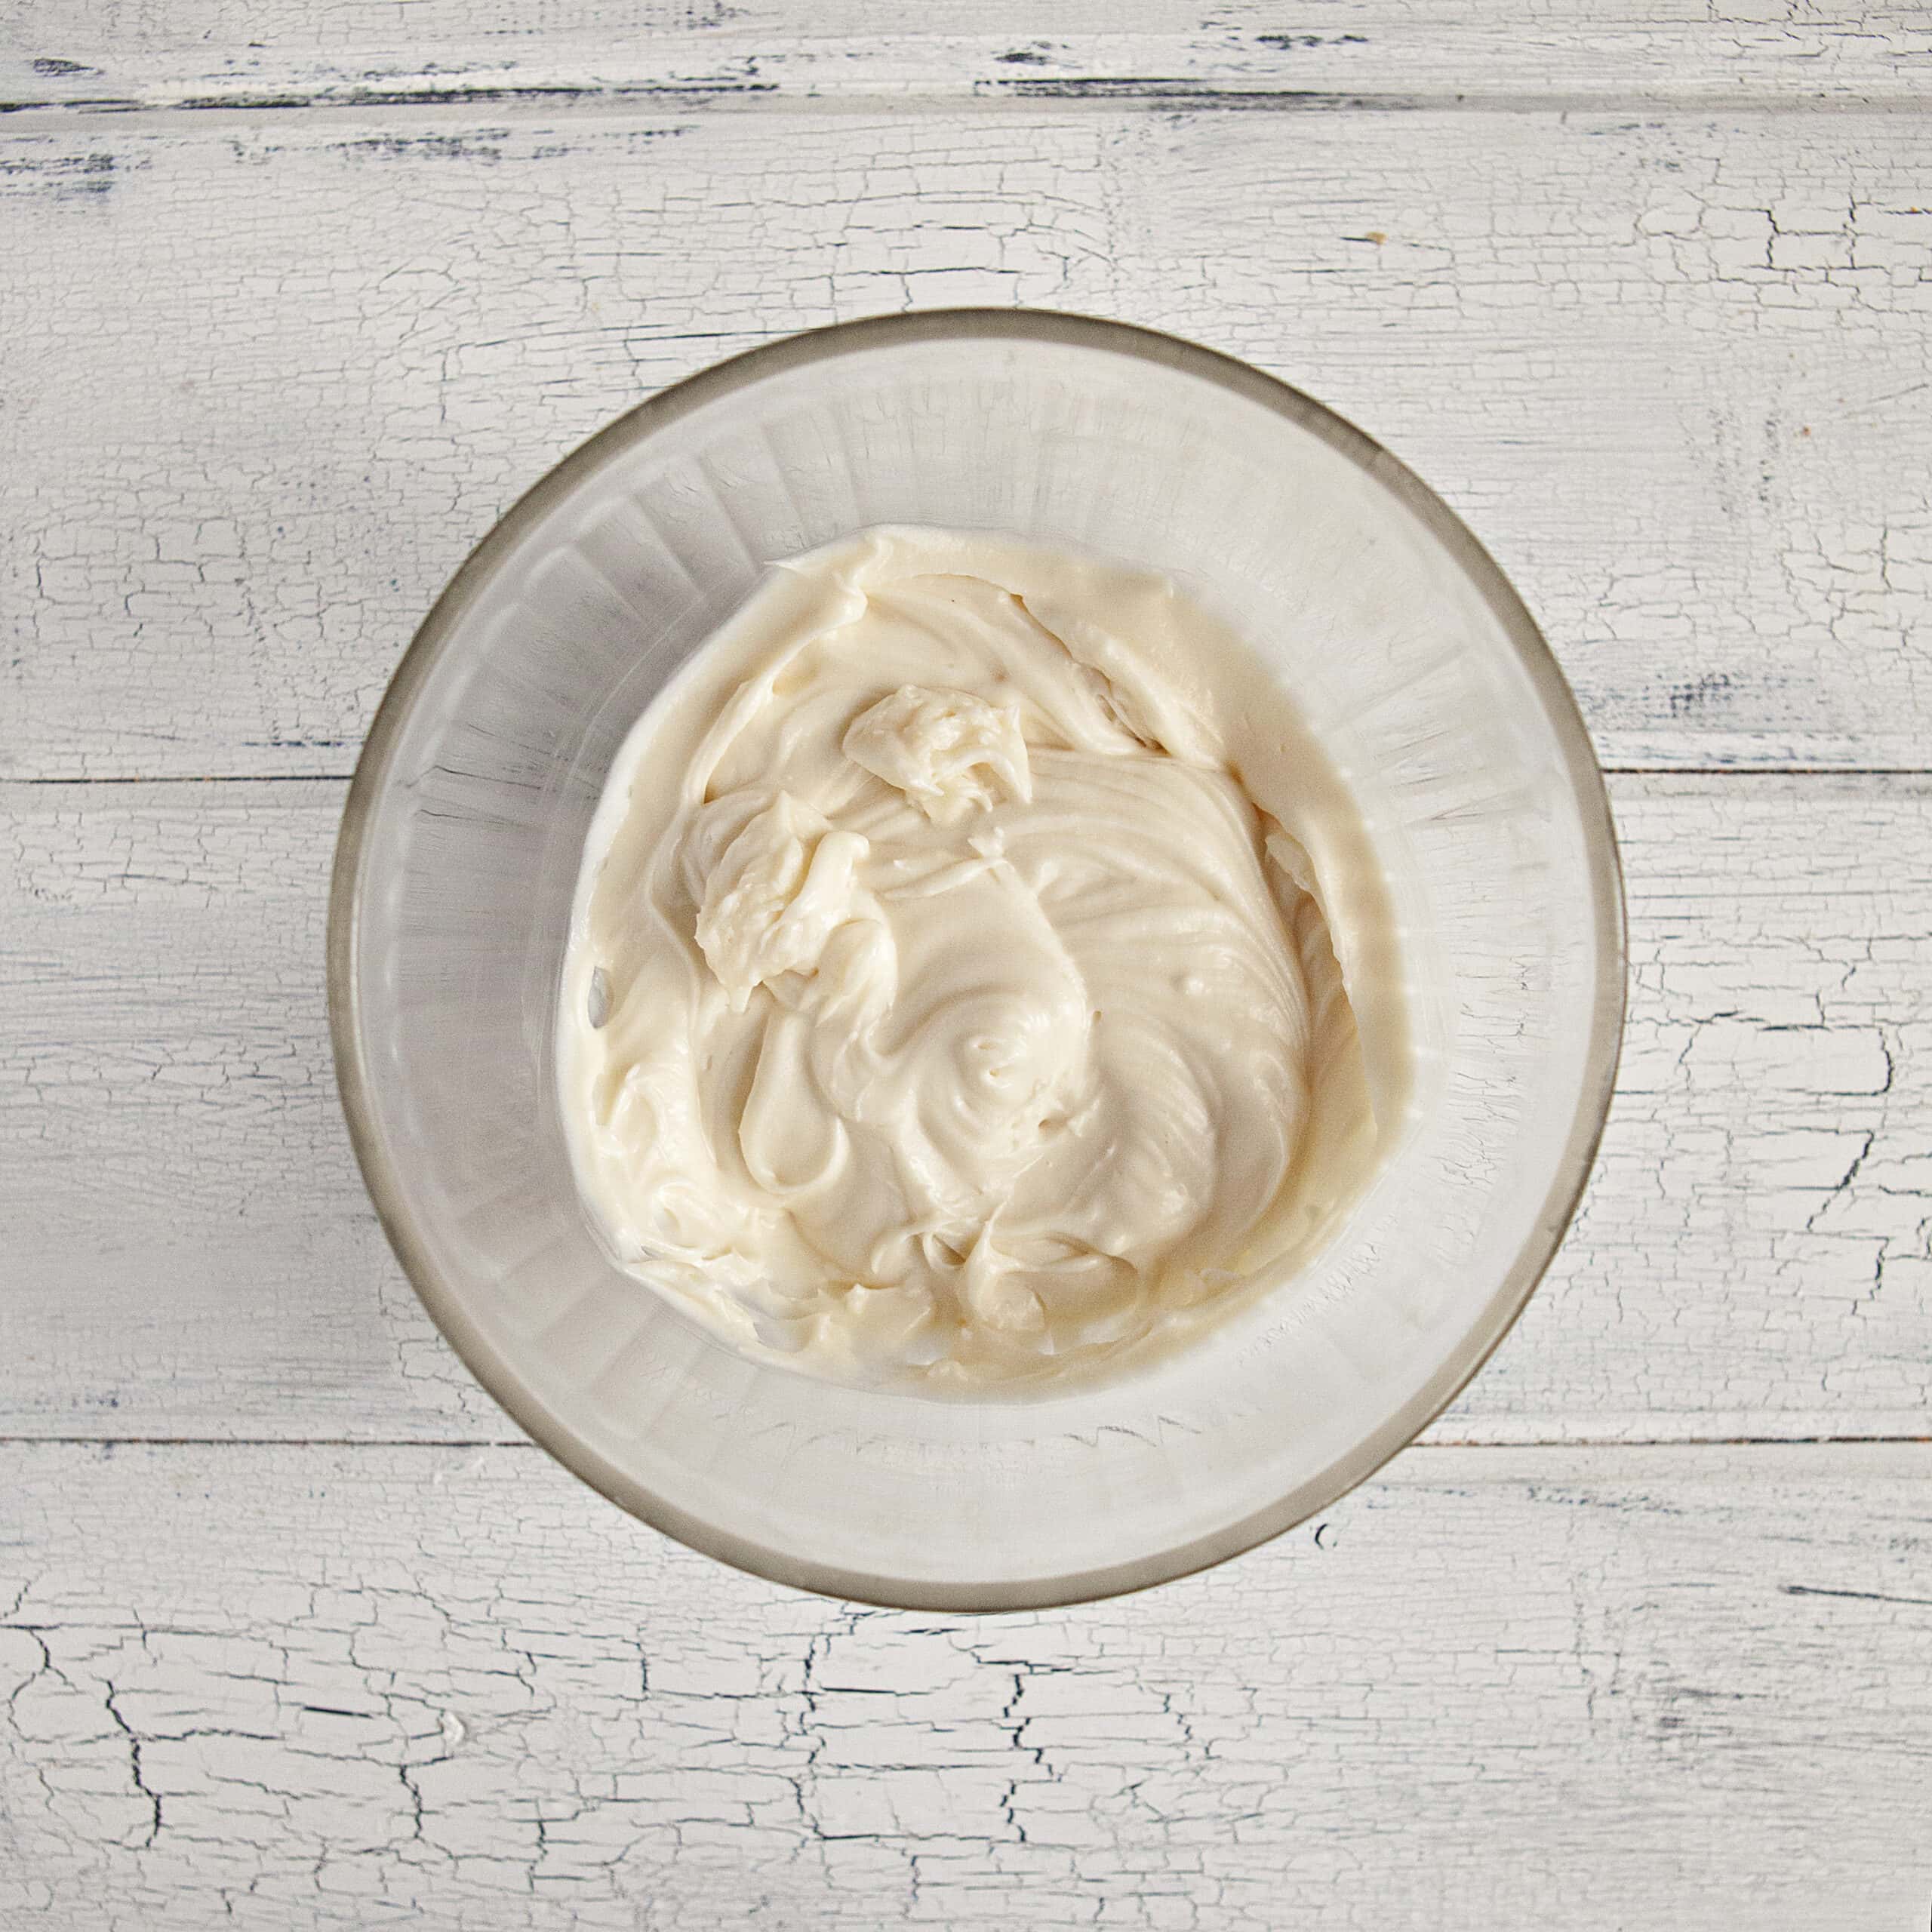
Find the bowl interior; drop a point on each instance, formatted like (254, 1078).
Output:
(1402, 646)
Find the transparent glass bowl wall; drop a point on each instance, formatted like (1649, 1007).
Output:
(1401, 643)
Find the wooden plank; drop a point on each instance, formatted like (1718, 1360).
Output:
(101, 53)
(1598, 1690)
(1755, 1253)
(268, 378)
(185, 1245)
(186, 1249)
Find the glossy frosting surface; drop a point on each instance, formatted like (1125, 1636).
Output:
(960, 986)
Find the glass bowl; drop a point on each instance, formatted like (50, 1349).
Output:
(1405, 648)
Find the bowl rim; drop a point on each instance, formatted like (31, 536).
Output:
(498, 1374)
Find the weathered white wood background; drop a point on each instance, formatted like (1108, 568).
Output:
(294, 1631)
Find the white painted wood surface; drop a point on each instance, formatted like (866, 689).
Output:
(293, 299)
(106, 55)
(1632, 1688)
(271, 376)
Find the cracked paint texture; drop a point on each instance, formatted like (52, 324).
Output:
(271, 377)
(317, 1688)
(293, 1633)
(212, 54)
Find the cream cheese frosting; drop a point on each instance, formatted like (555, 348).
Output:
(964, 982)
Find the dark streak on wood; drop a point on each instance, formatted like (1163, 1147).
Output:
(1287, 43)
(102, 104)
(64, 176)
(1177, 90)
(1861, 1596)
(692, 93)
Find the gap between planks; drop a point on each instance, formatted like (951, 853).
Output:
(1103, 94)
(1608, 771)
(1498, 1445)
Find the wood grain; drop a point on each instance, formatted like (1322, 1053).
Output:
(306, 1688)
(269, 377)
(185, 1248)
(295, 299)
(95, 54)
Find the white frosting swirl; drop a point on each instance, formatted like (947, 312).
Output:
(939, 1004)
